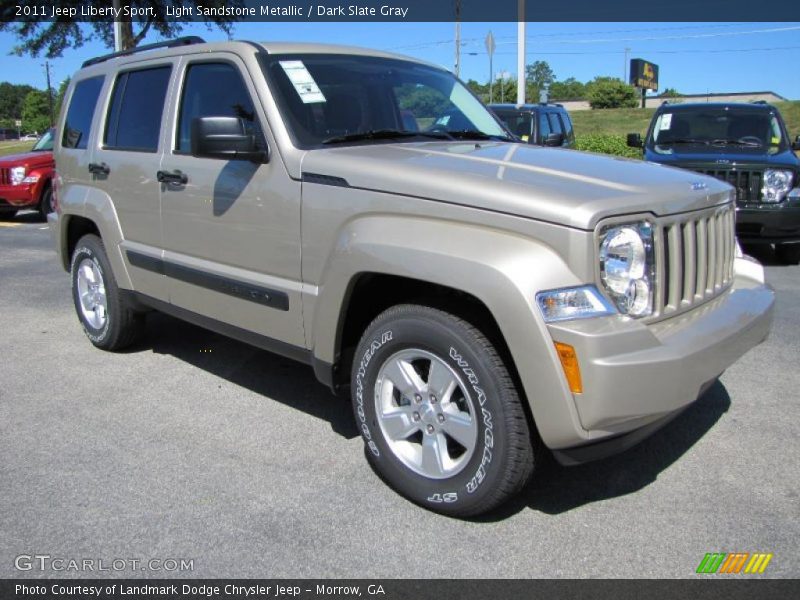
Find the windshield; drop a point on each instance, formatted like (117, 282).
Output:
(45, 142)
(330, 98)
(718, 127)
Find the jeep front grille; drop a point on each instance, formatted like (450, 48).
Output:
(747, 183)
(694, 256)
(5, 177)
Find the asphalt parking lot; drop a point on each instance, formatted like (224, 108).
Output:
(192, 446)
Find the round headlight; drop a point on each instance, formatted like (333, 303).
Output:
(777, 184)
(17, 175)
(623, 257)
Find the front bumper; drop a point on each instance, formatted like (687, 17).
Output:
(637, 375)
(18, 196)
(764, 223)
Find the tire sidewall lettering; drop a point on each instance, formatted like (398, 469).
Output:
(81, 252)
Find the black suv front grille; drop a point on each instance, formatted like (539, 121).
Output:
(747, 183)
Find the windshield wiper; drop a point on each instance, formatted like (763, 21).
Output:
(682, 141)
(474, 134)
(384, 134)
(751, 143)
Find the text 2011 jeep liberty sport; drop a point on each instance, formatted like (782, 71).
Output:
(364, 213)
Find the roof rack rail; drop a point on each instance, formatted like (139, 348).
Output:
(760, 102)
(181, 41)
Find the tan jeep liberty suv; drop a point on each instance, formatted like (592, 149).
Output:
(484, 300)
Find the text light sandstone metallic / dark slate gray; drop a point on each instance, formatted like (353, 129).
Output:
(483, 300)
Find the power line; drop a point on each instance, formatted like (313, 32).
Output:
(691, 51)
(538, 39)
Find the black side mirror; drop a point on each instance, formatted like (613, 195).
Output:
(554, 139)
(634, 140)
(226, 138)
(796, 143)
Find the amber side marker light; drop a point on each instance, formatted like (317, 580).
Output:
(569, 362)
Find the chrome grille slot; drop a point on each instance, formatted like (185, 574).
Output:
(5, 177)
(694, 253)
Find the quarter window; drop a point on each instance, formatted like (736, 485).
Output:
(137, 104)
(79, 115)
(214, 90)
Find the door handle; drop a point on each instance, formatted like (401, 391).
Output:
(99, 168)
(175, 177)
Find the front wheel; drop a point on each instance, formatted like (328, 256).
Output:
(788, 253)
(107, 317)
(440, 416)
(46, 202)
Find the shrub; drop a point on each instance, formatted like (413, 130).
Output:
(606, 92)
(605, 143)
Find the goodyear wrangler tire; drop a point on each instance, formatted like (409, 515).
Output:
(107, 318)
(440, 416)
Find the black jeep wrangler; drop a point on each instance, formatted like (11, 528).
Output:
(746, 145)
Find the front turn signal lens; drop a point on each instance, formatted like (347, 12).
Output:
(572, 370)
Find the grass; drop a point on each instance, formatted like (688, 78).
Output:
(622, 121)
(14, 147)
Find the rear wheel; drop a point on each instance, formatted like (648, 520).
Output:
(440, 416)
(107, 317)
(788, 253)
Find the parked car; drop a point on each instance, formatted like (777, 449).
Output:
(540, 124)
(480, 299)
(26, 179)
(31, 137)
(745, 145)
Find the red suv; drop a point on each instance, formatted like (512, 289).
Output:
(26, 179)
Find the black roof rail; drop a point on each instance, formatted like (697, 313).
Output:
(760, 102)
(181, 41)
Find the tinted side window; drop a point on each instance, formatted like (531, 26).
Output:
(80, 112)
(544, 127)
(567, 125)
(134, 115)
(214, 90)
(555, 123)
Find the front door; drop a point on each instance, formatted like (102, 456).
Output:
(231, 228)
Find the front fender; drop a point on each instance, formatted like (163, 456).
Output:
(502, 270)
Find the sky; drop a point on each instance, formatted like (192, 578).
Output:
(692, 57)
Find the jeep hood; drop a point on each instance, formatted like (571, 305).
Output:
(561, 186)
(28, 159)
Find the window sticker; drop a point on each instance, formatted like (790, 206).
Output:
(303, 82)
(666, 121)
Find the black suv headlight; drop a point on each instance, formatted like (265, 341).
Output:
(777, 183)
(627, 266)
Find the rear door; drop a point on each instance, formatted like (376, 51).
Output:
(125, 162)
(231, 227)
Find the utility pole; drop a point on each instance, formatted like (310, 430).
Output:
(117, 28)
(521, 53)
(457, 69)
(49, 93)
(625, 66)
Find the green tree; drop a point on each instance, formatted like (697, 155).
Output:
(38, 36)
(537, 76)
(670, 93)
(610, 92)
(569, 89)
(11, 98)
(35, 112)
